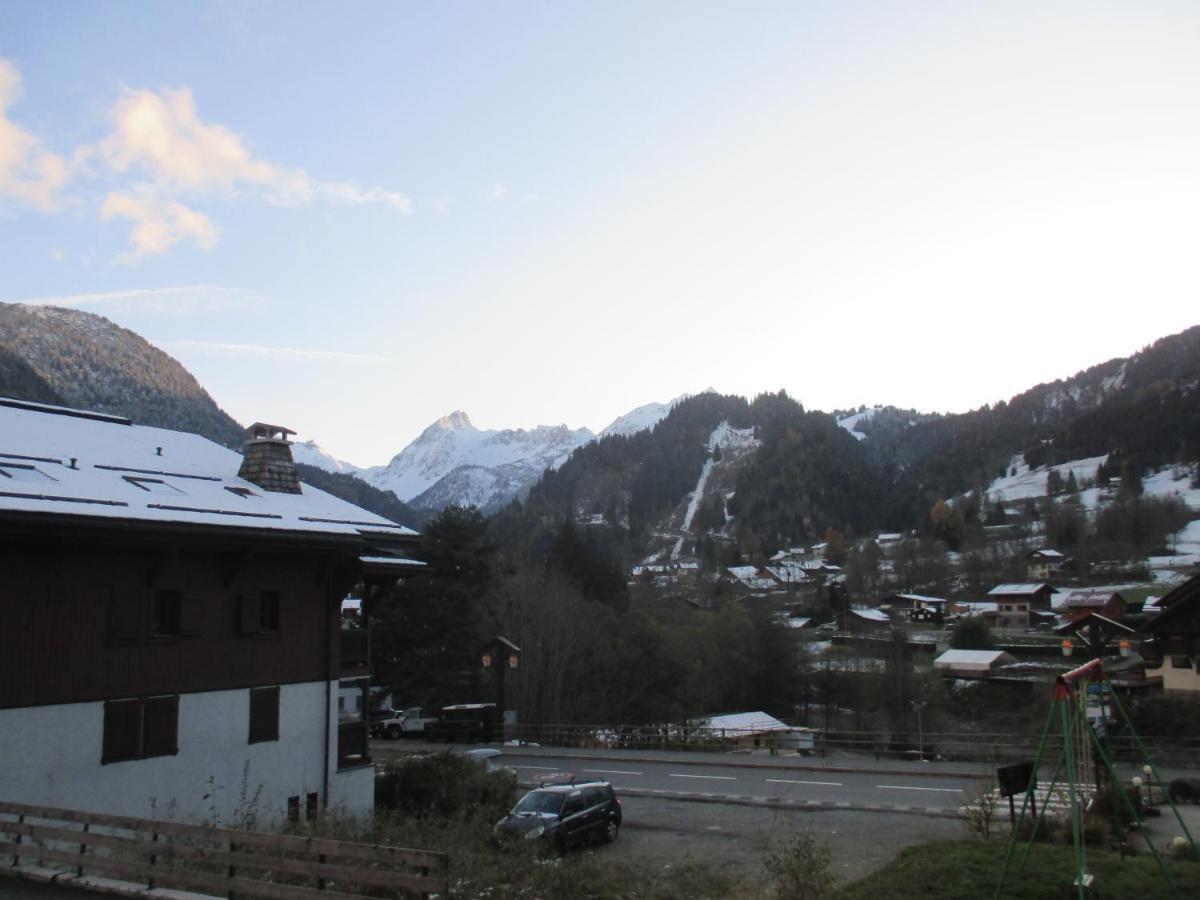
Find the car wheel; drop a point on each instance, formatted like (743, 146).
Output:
(611, 830)
(393, 732)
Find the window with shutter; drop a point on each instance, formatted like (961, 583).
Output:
(160, 726)
(140, 727)
(122, 731)
(268, 612)
(167, 619)
(264, 714)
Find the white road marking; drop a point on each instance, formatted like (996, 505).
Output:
(547, 768)
(709, 777)
(905, 787)
(789, 781)
(609, 772)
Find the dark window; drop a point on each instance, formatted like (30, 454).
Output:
(264, 714)
(153, 485)
(268, 612)
(1181, 662)
(259, 614)
(244, 493)
(168, 613)
(294, 808)
(140, 728)
(311, 806)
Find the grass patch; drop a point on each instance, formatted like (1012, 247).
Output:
(964, 870)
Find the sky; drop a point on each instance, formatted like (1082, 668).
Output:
(353, 219)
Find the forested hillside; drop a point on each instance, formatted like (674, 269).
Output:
(807, 475)
(88, 362)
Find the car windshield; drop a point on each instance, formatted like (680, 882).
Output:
(539, 802)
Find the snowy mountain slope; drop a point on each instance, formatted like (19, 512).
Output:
(313, 454)
(518, 457)
(641, 418)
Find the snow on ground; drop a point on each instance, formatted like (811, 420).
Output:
(1176, 480)
(1028, 483)
(726, 437)
(851, 423)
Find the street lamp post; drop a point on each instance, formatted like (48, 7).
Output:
(919, 705)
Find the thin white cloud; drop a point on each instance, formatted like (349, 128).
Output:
(496, 193)
(255, 351)
(29, 174)
(158, 223)
(174, 300)
(161, 135)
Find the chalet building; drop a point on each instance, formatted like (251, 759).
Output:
(1176, 639)
(1015, 602)
(863, 620)
(1044, 564)
(173, 637)
(1081, 603)
(916, 607)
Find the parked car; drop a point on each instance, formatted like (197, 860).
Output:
(564, 815)
(465, 723)
(411, 722)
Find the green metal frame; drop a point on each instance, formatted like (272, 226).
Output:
(1070, 709)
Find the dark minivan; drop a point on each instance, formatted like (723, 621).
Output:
(565, 815)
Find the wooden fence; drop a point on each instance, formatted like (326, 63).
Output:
(219, 861)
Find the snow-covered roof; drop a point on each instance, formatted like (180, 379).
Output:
(918, 598)
(1017, 590)
(748, 576)
(871, 615)
(789, 574)
(1047, 554)
(971, 659)
(1087, 599)
(59, 462)
(746, 723)
(795, 622)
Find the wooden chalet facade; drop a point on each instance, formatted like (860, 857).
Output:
(172, 637)
(1176, 638)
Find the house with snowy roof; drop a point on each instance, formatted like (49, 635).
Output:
(972, 663)
(1015, 601)
(1080, 603)
(751, 579)
(864, 620)
(1043, 564)
(173, 621)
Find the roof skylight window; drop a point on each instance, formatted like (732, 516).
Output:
(243, 492)
(153, 485)
(22, 472)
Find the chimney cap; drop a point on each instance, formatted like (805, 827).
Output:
(262, 431)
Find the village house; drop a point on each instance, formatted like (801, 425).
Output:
(1176, 639)
(972, 663)
(174, 639)
(916, 607)
(1015, 602)
(1044, 564)
(1077, 604)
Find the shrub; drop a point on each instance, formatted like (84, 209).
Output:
(444, 785)
(800, 867)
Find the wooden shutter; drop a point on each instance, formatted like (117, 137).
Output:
(127, 617)
(264, 714)
(122, 730)
(160, 726)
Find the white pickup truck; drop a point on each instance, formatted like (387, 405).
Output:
(409, 722)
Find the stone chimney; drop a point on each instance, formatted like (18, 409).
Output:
(267, 459)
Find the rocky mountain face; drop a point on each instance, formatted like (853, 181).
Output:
(453, 462)
(84, 360)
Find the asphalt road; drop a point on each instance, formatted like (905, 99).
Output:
(750, 779)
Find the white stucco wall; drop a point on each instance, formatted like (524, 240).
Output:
(51, 757)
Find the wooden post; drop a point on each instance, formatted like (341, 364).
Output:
(17, 856)
(153, 860)
(83, 849)
(232, 871)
